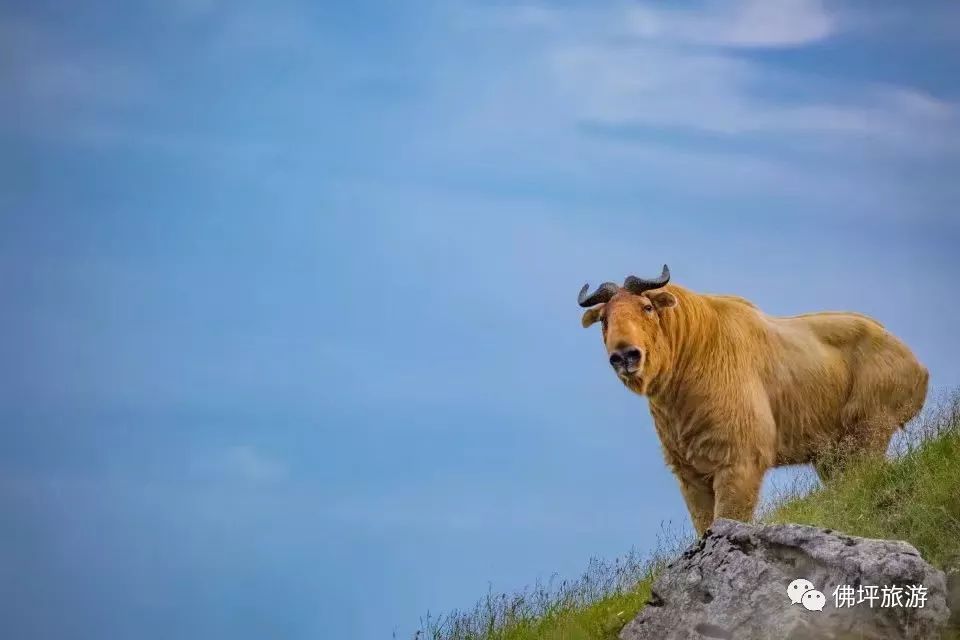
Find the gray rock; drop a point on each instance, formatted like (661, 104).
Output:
(732, 585)
(952, 570)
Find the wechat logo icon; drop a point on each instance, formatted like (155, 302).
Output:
(802, 592)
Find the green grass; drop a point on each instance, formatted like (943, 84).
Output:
(597, 605)
(914, 496)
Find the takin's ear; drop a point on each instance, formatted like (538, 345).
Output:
(662, 299)
(590, 316)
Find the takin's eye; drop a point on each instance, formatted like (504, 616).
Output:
(648, 308)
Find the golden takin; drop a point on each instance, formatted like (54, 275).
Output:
(734, 392)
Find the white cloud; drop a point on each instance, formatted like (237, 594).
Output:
(245, 463)
(650, 67)
(741, 23)
(51, 87)
(261, 31)
(39, 70)
(191, 9)
(655, 66)
(714, 92)
(749, 23)
(75, 88)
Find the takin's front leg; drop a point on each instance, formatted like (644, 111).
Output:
(737, 488)
(698, 494)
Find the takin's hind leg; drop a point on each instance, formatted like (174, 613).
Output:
(882, 401)
(862, 439)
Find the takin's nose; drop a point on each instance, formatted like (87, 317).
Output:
(627, 360)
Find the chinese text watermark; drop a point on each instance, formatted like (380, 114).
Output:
(803, 592)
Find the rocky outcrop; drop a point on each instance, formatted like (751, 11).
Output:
(733, 585)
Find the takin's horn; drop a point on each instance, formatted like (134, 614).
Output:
(637, 285)
(603, 294)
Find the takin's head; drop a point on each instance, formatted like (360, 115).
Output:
(631, 321)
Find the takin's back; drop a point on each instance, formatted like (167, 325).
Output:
(822, 370)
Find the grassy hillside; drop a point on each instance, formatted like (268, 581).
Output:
(914, 497)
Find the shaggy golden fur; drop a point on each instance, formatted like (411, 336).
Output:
(734, 392)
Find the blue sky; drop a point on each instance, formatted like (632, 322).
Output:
(289, 344)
